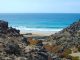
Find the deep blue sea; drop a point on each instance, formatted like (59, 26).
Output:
(40, 21)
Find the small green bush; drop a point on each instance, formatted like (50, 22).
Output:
(67, 52)
(75, 58)
(79, 49)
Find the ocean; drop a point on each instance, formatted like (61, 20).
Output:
(40, 21)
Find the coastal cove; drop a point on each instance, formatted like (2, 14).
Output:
(41, 23)
(61, 45)
(39, 29)
(39, 32)
(46, 40)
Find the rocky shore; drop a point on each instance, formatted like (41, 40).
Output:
(16, 46)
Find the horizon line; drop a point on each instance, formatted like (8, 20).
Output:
(39, 13)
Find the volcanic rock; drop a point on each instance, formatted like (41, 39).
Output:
(68, 37)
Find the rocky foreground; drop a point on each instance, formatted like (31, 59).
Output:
(14, 46)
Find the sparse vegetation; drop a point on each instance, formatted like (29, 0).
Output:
(75, 58)
(79, 49)
(16, 45)
(66, 53)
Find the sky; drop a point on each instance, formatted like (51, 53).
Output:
(39, 6)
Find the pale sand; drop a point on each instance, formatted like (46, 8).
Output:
(38, 33)
(76, 54)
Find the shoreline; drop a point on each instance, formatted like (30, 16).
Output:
(38, 33)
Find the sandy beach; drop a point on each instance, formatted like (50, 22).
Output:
(38, 33)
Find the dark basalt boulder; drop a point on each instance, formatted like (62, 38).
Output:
(36, 55)
(13, 31)
(3, 26)
(12, 48)
(25, 41)
(4, 29)
(8, 30)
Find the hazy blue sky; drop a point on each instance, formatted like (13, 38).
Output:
(39, 6)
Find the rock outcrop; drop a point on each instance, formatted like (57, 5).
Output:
(67, 38)
(3, 26)
(14, 46)
(73, 28)
(4, 29)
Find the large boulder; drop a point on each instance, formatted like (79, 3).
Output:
(13, 31)
(3, 24)
(8, 30)
(12, 48)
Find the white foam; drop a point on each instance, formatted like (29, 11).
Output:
(37, 29)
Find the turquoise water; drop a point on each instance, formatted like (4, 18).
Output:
(40, 21)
